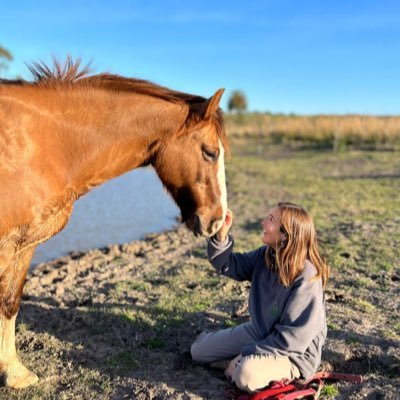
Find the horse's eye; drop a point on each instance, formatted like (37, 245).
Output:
(210, 155)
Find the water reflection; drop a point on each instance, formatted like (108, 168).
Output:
(121, 210)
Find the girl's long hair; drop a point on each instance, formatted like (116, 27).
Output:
(300, 244)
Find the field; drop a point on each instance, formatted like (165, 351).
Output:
(118, 322)
(335, 132)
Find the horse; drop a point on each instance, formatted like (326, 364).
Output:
(68, 131)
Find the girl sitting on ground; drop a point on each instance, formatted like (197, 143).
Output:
(287, 329)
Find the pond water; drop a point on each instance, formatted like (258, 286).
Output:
(119, 211)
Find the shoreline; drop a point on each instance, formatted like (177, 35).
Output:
(74, 254)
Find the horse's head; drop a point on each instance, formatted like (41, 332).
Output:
(191, 166)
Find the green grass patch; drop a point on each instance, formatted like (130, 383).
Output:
(364, 306)
(329, 392)
(153, 343)
(332, 326)
(122, 360)
(229, 323)
(131, 285)
(352, 340)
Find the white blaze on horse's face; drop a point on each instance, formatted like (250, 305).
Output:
(222, 189)
(210, 195)
(211, 217)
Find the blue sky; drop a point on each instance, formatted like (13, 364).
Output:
(305, 57)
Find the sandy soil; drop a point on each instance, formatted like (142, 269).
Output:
(69, 331)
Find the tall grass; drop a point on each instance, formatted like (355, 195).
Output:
(336, 132)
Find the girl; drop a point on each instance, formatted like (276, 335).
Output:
(284, 338)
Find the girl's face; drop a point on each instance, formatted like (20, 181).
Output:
(272, 236)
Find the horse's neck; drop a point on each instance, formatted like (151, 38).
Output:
(105, 134)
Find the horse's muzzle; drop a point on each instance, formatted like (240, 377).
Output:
(200, 229)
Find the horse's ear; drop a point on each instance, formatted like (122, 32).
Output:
(211, 106)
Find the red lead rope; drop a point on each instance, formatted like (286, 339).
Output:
(296, 389)
(279, 388)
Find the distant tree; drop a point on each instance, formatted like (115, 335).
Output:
(4, 55)
(237, 102)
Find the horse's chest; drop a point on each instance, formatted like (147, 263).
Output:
(50, 221)
(45, 224)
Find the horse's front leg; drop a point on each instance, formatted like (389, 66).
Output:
(14, 373)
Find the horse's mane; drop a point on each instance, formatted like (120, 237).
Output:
(72, 74)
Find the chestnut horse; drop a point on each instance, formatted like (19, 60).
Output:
(67, 132)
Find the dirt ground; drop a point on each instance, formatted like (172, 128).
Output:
(118, 322)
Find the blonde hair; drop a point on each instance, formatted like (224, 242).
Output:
(300, 244)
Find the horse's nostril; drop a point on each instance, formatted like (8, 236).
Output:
(196, 225)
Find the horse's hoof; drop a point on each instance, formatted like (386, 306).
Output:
(19, 377)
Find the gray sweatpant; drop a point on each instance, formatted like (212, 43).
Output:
(250, 373)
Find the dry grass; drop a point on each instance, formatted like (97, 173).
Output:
(331, 131)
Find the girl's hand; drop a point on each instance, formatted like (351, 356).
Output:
(223, 231)
(231, 367)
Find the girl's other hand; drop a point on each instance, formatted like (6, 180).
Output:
(223, 231)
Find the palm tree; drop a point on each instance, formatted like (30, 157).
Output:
(4, 55)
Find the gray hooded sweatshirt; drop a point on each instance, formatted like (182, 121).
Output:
(290, 321)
